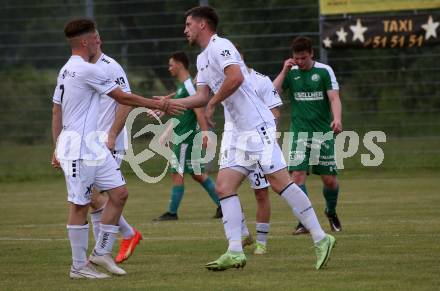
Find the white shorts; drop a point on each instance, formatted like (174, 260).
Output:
(264, 154)
(118, 156)
(82, 175)
(257, 179)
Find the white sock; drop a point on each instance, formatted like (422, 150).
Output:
(125, 228)
(96, 222)
(107, 237)
(79, 240)
(262, 231)
(232, 218)
(303, 210)
(244, 228)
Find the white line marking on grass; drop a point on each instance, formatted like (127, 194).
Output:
(218, 222)
(31, 239)
(204, 238)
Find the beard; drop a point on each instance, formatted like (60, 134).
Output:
(191, 41)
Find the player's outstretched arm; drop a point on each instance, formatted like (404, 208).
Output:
(278, 82)
(200, 99)
(130, 99)
(336, 106)
(157, 113)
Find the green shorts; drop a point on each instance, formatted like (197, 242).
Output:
(321, 159)
(182, 162)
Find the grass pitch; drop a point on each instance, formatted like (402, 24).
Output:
(390, 239)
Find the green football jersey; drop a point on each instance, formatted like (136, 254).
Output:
(188, 119)
(310, 106)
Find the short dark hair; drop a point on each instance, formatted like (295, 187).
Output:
(79, 26)
(205, 12)
(301, 44)
(180, 57)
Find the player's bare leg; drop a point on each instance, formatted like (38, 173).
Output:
(330, 192)
(263, 219)
(300, 177)
(303, 210)
(228, 181)
(199, 178)
(263, 205)
(109, 229)
(77, 214)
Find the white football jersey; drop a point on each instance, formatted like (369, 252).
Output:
(245, 108)
(265, 89)
(108, 106)
(79, 87)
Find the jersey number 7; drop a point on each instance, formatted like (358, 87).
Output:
(62, 92)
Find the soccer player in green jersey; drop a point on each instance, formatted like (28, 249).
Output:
(189, 122)
(316, 117)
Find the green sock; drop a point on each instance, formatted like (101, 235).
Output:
(331, 199)
(176, 197)
(303, 187)
(209, 186)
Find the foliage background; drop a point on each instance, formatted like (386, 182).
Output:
(392, 90)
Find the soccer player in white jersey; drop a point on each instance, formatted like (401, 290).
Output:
(85, 161)
(111, 120)
(269, 96)
(221, 69)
